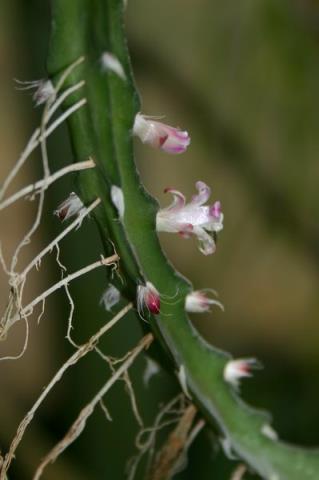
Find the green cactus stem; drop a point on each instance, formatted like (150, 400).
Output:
(102, 130)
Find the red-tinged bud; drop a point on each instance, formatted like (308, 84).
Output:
(197, 301)
(159, 135)
(148, 297)
(235, 370)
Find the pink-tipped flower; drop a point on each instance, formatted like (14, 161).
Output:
(44, 90)
(71, 207)
(235, 370)
(197, 301)
(158, 135)
(148, 298)
(193, 218)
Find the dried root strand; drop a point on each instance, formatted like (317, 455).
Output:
(167, 458)
(26, 311)
(72, 360)
(146, 438)
(239, 472)
(79, 424)
(45, 183)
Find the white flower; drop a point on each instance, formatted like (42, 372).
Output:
(110, 62)
(235, 370)
(159, 135)
(70, 207)
(118, 200)
(198, 301)
(193, 218)
(44, 90)
(148, 297)
(111, 296)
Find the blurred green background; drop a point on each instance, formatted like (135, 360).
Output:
(242, 78)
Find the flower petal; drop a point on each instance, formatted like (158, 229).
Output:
(203, 194)
(207, 244)
(179, 199)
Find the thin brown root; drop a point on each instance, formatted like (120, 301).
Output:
(78, 426)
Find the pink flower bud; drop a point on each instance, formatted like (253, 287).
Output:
(72, 206)
(198, 301)
(148, 297)
(158, 135)
(236, 369)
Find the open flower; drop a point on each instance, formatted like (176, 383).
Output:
(235, 370)
(193, 218)
(158, 135)
(148, 298)
(198, 301)
(72, 206)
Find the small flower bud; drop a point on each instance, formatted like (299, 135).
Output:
(158, 135)
(118, 200)
(236, 369)
(198, 302)
(110, 62)
(111, 296)
(70, 207)
(148, 297)
(44, 90)
(269, 432)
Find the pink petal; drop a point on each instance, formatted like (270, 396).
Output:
(203, 194)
